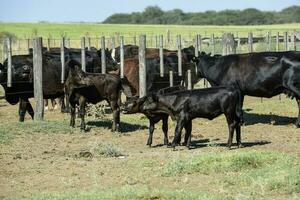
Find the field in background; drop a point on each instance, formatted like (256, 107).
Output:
(75, 31)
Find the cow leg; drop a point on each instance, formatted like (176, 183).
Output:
(242, 116)
(116, 116)
(73, 115)
(231, 126)
(29, 108)
(177, 135)
(67, 105)
(62, 105)
(22, 110)
(165, 129)
(151, 130)
(188, 134)
(46, 104)
(82, 102)
(54, 104)
(238, 135)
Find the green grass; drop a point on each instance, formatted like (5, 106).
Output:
(75, 31)
(273, 172)
(129, 192)
(9, 130)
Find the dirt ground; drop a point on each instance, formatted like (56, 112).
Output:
(59, 162)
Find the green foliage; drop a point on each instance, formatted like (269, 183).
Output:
(250, 16)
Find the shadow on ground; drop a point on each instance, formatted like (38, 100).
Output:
(124, 126)
(254, 118)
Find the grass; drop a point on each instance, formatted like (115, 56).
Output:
(130, 192)
(75, 31)
(9, 130)
(273, 172)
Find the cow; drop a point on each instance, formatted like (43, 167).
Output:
(132, 51)
(135, 105)
(22, 82)
(85, 88)
(184, 106)
(262, 74)
(22, 76)
(154, 81)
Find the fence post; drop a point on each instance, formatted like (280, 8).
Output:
(161, 55)
(38, 78)
(48, 44)
(122, 56)
(19, 47)
(277, 41)
(168, 38)
(83, 54)
(250, 42)
(179, 54)
(189, 86)
(285, 40)
(142, 66)
(197, 45)
(171, 78)
(28, 45)
(103, 57)
(9, 63)
(293, 45)
(4, 51)
(269, 41)
(156, 42)
(88, 43)
(134, 40)
(228, 44)
(212, 43)
(113, 43)
(62, 59)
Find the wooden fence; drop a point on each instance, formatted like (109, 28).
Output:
(229, 44)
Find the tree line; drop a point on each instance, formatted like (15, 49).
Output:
(250, 16)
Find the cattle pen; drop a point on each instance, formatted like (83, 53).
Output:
(225, 44)
(46, 159)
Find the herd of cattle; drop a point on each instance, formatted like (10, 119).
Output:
(263, 74)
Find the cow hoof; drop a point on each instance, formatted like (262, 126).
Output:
(228, 147)
(240, 146)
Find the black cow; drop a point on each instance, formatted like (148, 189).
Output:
(184, 106)
(85, 88)
(22, 76)
(263, 74)
(22, 82)
(135, 105)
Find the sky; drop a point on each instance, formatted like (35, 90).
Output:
(99, 10)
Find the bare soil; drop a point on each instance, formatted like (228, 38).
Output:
(60, 162)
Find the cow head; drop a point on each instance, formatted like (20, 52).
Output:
(189, 52)
(150, 103)
(132, 106)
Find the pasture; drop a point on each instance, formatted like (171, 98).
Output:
(50, 160)
(75, 31)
